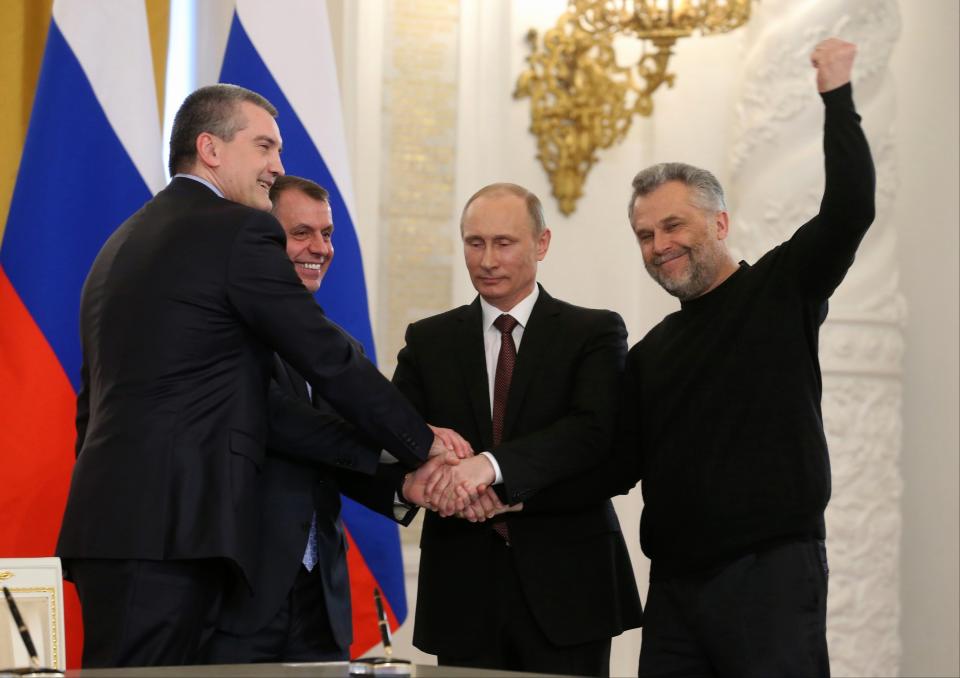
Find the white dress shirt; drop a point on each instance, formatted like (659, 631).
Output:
(200, 180)
(491, 346)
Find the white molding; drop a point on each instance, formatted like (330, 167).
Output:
(361, 87)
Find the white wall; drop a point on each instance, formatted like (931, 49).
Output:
(927, 213)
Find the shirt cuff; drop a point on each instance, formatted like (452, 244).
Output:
(496, 468)
(401, 509)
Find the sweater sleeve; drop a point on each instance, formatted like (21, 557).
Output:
(823, 249)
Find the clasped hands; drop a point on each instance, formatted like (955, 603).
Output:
(455, 481)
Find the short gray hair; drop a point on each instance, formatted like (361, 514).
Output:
(707, 191)
(214, 109)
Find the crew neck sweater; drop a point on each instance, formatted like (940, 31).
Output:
(726, 391)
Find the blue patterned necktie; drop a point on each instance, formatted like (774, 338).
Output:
(311, 555)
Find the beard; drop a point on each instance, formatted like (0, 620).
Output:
(700, 273)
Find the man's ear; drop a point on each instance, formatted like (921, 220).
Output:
(543, 244)
(723, 225)
(208, 149)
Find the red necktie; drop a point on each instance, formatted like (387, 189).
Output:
(501, 389)
(501, 381)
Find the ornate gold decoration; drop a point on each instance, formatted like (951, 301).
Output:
(581, 99)
(5, 575)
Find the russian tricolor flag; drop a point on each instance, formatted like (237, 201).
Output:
(92, 156)
(286, 54)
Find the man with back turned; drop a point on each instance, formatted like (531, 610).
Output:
(180, 316)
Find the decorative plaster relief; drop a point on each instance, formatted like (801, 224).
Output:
(777, 178)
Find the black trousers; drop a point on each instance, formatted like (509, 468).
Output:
(763, 614)
(519, 644)
(148, 612)
(299, 632)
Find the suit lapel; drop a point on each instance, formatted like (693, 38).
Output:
(538, 336)
(473, 367)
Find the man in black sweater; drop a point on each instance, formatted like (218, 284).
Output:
(725, 397)
(723, 421)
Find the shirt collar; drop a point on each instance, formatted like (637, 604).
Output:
(200, 180)
(521, 311)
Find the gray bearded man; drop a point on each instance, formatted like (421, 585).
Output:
(722, 416)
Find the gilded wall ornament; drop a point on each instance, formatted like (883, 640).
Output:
(581, 99)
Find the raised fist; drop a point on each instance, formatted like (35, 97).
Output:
(833, 59)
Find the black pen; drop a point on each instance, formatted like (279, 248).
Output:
(24, 631)
(382, 621)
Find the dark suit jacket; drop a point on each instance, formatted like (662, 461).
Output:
(575, 570)
(180, 315)
(312, 456)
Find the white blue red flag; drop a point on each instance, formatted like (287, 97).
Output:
(285, 53)
(90, 159)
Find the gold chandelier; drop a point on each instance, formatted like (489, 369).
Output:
(581, 100)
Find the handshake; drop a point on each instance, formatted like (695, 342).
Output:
(455, 481)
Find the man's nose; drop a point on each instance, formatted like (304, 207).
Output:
(320, 246)
(489, 258)
(660, 242)
(276, 166)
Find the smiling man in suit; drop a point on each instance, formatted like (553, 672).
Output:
(532, 382)
(180, 316)
(299, 606)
